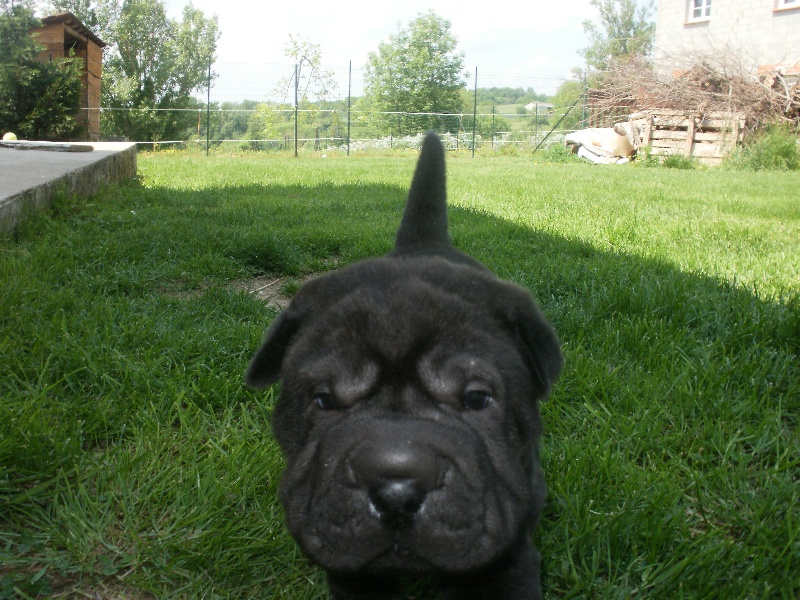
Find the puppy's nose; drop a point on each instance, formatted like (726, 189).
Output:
(397, 470)
(397, 501)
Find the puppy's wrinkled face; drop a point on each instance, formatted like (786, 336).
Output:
(408, 419)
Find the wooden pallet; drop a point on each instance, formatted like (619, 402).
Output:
(707, 137)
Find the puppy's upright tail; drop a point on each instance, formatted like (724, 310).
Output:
(424, 227)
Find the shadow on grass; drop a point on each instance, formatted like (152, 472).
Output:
(671, 439)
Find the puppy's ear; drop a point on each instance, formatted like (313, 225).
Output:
(265, 366)
(538, 338)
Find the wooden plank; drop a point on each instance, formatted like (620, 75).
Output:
(682, 113)
(706, 160)
(95, 52)
(661, 151)
(660, 121)
(706, 150)
(77, 35)
(709, 124)
(709, 136)
(699, 136)
(716, 124)
(670, 144)
(668, 134)
(49, 35)
(680, 147)
(724, 116)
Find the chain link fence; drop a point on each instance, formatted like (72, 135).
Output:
(260, 107)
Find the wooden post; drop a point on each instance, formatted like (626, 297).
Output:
(735, 132)
(690, 135)
(648, 131)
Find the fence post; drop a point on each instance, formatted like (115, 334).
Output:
(296, 101)
(475, 112)
(208, 108)
(585, 98)
(349, 91)
(492, 126)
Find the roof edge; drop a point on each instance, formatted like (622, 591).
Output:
(67, 18)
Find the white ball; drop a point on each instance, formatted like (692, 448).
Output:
(9, 137)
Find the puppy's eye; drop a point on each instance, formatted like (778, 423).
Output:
(475, 399)
(325, 401)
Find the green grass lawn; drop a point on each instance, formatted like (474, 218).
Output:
(134, 463)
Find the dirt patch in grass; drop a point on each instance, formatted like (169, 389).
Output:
(273, 291)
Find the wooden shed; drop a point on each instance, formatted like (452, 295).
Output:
(64, 32)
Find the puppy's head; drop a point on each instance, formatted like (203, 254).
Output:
(408, 410)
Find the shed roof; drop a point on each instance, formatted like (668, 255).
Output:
(72, 22)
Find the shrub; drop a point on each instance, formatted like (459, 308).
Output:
(678, 161)
(556, 153)
(646, 158)
(775, 149)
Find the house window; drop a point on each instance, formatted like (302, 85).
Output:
(786, 5)
(699, 10)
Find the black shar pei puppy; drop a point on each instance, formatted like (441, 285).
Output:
(408, 415)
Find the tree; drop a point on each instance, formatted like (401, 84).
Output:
(314, 85)
(38, 100)
(272, 122)
(232, 120)
(626, 31)
(314, 82)
(567, 103)
(152, 65)
(507, 95)
(85, 10)
(418, 70)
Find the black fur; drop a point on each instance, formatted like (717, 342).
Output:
(409, 417)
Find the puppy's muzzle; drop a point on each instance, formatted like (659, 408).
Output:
(398, 474)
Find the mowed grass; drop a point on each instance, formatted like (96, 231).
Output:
(134, 463)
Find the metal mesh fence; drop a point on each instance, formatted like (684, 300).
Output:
(257, 107)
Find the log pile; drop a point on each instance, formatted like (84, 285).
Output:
(707, 88)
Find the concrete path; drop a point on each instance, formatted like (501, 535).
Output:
(30, 178)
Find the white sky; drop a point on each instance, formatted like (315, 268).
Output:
(535, 38)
